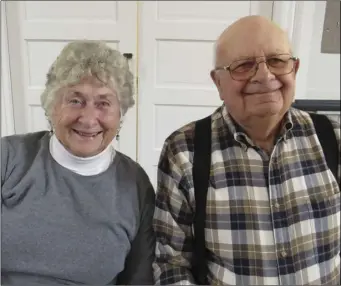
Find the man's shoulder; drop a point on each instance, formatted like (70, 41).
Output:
(304, 119)
(182, 139)
(300, 116)
(182, 136)
(335, 123)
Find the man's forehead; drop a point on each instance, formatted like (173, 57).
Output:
(229, 53)
(256, 50)
(251, 37)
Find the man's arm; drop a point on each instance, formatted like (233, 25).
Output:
(336, 126)
(172, 223)
(138, 266)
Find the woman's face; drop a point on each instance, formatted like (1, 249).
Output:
(86, 117)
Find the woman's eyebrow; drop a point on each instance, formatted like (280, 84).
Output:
(73, 92)
(106, 95)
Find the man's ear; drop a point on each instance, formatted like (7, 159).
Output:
(215, 78)
(297, 66)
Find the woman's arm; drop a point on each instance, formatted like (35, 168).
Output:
(4, 158)
(138, 266)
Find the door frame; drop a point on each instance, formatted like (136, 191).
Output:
(7, 116)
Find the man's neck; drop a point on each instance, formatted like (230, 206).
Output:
(263, 131)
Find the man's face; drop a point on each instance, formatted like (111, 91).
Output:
(249, 92)
(86, 117)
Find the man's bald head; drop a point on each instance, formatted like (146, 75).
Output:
(251, 36)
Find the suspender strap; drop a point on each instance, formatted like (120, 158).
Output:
(201, 174)
(326, 135)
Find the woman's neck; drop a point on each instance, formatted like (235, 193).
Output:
(84, 166)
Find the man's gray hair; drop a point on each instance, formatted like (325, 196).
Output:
(84, 58)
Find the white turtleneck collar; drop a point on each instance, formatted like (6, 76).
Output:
(84, 166)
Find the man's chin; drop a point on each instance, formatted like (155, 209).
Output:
(267, 109)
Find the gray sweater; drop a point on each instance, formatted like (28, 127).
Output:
(58, 227)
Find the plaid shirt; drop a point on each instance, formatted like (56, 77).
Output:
(270, 219)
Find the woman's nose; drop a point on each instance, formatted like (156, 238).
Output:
(88, 116)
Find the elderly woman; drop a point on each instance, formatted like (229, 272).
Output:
(74, 210)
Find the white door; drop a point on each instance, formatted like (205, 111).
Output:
(175, 58)
(37, 32)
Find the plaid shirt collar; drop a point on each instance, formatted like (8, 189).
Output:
(240, 135)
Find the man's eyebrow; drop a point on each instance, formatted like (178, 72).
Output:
(278, 52)
(241, 58)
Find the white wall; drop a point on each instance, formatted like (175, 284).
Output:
(324, 69)
(319, 74)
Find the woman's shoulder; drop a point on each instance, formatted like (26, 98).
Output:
(20, 147)
(134, 172)
(129, 165)
(27, 140)
(18, 153)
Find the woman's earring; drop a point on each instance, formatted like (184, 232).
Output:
(51, 130)
(118, 133)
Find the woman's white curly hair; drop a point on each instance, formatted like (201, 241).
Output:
(85, 58)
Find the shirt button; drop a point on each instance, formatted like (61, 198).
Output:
(284, 253)
(277, 205)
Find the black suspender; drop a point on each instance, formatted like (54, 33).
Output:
(201, 174)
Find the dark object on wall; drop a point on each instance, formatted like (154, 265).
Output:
(317, 105)
(330, 43)
(128, 56)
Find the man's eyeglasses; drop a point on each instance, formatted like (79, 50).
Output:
(242, 70)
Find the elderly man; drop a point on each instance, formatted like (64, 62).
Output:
(250, 195)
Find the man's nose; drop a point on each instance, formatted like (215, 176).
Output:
(263, 73)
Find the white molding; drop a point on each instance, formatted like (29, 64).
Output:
(283, 14)
(16, 47)
(7, 117)
(302, 37)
